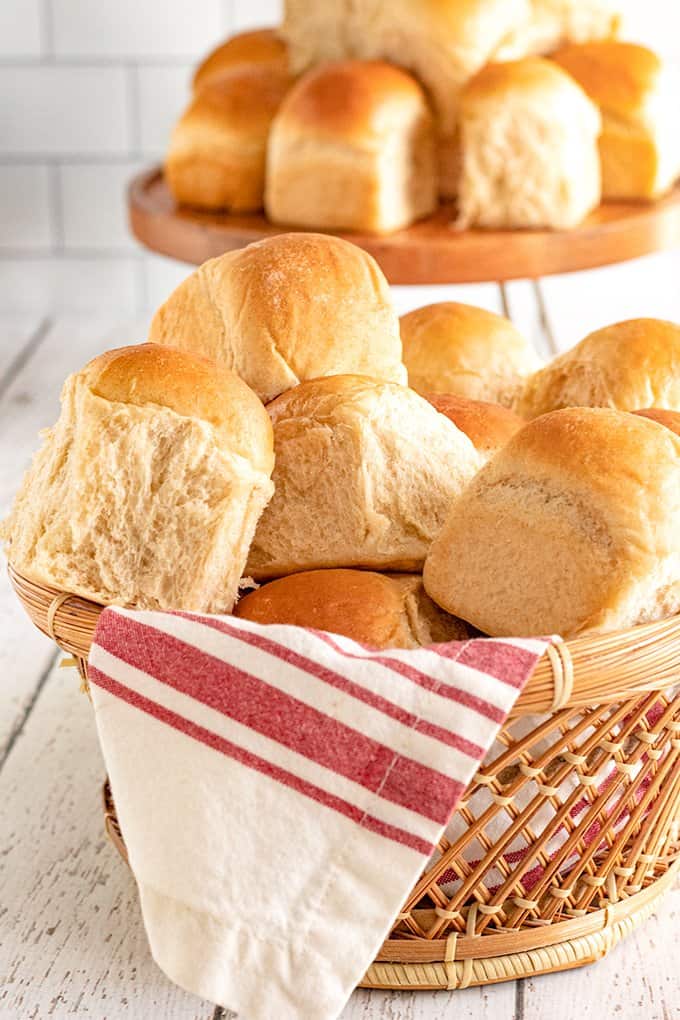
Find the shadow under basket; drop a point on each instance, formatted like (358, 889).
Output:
(568, 834)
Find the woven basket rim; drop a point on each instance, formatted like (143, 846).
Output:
(574, 673)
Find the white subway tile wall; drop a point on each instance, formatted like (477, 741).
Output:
(89, 90)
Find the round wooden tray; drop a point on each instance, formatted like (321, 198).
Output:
(429, 252)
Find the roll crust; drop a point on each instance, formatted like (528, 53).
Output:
(529, 148)
(365, 471)
(147, 490)
(290, 308)
(570, 529)
(669, 419)
(466, 351)
(217, 153)
(630, 365)
(352, 148)
(637, 97)
(488, 426)
(260, 46)
(378, 610)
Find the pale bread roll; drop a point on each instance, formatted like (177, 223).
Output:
(572, 528)
(529, 153)
(629, 365)
(365, 472)
(218, 149)
(555, 22)
(669, 419)
(259, 46)
(488, 426)
(147, 490)
(292, 307)
(379, 610)
(352, 148)
(637, 94)
(450, 347)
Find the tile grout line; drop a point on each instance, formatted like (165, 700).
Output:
(56, 208)
(34, 341)
(46, 32)
(134, 109)
(76, 252)
(21, 725)
(154, 60)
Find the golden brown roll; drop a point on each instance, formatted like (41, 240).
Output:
(455, 348)
(571, 528)
(147, 490)
(260, 46)
(629, 365)
(488, 426)
(529, 154)
(352, 148)
(670, 419)
(379, 610)
(217, 154)
(289, 308)
(365, 472)
(637, 95)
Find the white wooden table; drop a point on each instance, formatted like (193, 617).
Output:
(71, 937)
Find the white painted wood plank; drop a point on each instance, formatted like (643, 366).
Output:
(497, 1002)
(639, 978)
(15, 332)
(24, 654)
(71, 937)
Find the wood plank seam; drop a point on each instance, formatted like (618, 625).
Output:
(520, 988)
(30, 347)
(21, 724)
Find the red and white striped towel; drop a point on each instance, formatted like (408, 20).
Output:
(281, 789)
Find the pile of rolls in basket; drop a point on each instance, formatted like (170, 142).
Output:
(365, 114)
(265, 442)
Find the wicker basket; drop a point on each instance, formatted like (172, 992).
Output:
(584, 779)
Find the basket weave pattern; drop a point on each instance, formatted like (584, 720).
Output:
(568, 834)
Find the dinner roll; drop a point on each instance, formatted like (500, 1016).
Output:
(630, 365)
(365, 471)
(554, 22)
(671, 419)
(288, 308)
(217, 153)
(529, 155)
(352, 148)
(441, 42)
(379, 610)
(454, 348)
(638, 96)
(488, 426)
(260, 46)
(571, 528)
(147, 490)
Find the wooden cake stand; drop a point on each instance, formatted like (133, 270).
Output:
(430, 252)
